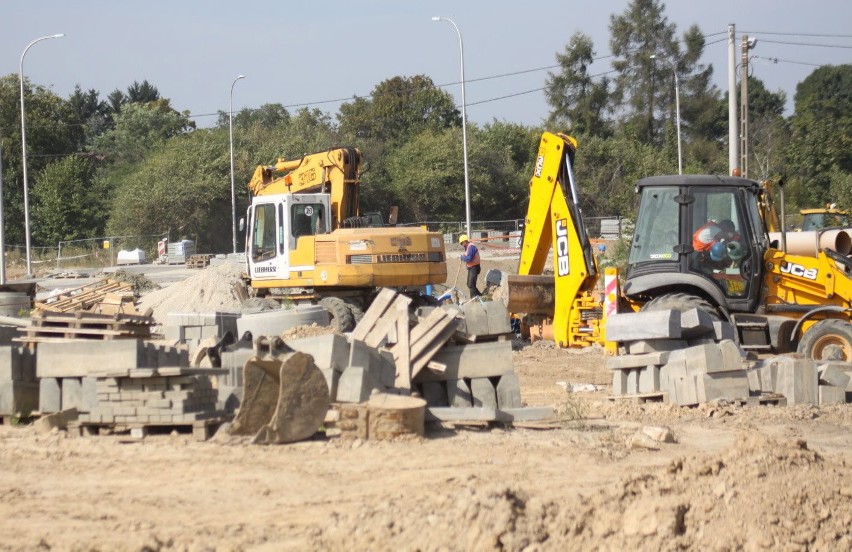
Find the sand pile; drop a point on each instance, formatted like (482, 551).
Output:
(210, 290)
(760, 493)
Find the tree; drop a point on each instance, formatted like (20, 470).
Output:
(820, 151)
(140, 128)
(641, 31)
(578, 103)
(90, 116)
(68, 204)
(267, 116)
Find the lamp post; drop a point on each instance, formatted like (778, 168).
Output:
(677, 112)
(231, 142)
(464, 122)
(24, 154)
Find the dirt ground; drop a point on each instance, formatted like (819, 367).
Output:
(735, 478)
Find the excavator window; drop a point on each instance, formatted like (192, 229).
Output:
(307, 219)
(264, 242)
(656, 234)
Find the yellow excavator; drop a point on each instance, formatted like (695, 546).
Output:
(308, 243)
(778, 302)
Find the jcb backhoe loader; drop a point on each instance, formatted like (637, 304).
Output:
(777, 301)
(307, 242)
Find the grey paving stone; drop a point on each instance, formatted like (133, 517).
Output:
(483, 392)
(509, 391)
(635, 326)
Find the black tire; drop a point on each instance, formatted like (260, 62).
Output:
(828, 340)
(681, 302)
(341, 316)
(356, 309)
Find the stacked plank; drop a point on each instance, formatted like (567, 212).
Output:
(105, 297)
(46, 326)
(199, 260)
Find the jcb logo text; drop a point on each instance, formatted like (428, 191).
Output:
(800, 271)
(562, 268)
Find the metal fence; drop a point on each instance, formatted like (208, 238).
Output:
(606, 228)
(104, 251)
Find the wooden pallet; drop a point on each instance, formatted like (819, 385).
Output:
(201, 430)
(55, 326)
(763, 400)
(642, 398)
(85, 297)
(198, 261)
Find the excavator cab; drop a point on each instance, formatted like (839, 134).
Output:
(699, 235)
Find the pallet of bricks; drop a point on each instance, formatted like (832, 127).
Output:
(127, 384)
(688, 358)
(105, 297)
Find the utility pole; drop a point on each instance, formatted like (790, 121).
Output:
(744, 107)
(733, 140)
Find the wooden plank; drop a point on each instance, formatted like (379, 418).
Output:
(374, 313)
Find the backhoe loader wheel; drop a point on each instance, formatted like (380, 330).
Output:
(341, 316)
(828, 340)
(681, 302)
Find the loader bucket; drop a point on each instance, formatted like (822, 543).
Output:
(285, 399)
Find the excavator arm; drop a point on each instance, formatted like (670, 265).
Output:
(554, 221)
(336, 172)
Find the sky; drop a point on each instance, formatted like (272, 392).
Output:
(322, 53)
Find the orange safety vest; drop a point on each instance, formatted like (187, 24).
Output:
(475, 260)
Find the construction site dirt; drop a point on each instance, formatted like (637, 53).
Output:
(608, 475)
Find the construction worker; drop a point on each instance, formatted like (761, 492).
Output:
(711, 242)
(471, 260)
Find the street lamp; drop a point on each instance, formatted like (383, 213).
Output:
(464, 122)
(677, 111)
(231, 142)
(24, 154)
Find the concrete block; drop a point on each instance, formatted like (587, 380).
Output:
(623, 362)
(458, 393)
(49, 395)
(797, 380)
(329, 351)
(233, 361)
(767, 371)
(685, 390)
(655, 346)
(701, 359)
(509, 391)
(724, 330)
(722, 385)
(695, 323)
(435, 393)
(753, 376)
(192, 332)
(356, 384)
(172, 332)
(58, 420)
(635, 326)
(829, 394)
(632, 381)
(18, 397)
(834, 373)
(649, 379)
(79, 358)
(732, 355)
(274, 323)
(381, 366)
(475, 360)
(483, 392)
(619, 382)
(332, 378)
(10, 364)
(89, 394)
(485, 318)
(229, 398)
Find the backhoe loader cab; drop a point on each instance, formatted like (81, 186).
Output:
(701, 235)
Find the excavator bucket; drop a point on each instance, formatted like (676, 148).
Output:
(285, 397)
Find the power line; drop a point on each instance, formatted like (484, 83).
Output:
(816, 35)
(779, 60)
(806, 44)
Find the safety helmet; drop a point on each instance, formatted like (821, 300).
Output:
(736, 251)
(718, 252)
(463, 238)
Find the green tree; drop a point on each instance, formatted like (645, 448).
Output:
(820, 150)
(90, 116)
(578, 102)
(139, 129)
(68, 204)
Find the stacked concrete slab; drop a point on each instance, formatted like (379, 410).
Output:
(191, 328)
(18, 385)
(802, 381)
(67, 372)
(687, 357)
